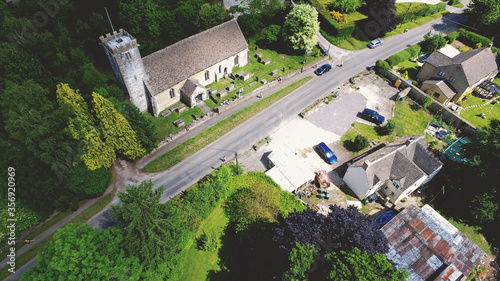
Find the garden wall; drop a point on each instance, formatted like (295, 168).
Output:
(447, 115)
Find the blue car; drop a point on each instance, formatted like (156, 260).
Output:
(323, 69)
(373, 116)
(327, 153)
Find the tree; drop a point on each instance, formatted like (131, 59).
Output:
(250, 24)
(485, 208)
(360, 142)
(341, 229)
(427, 102)
(145, 130)
(79, 252)
(211, 15)
(301, 27)
(432, 42)
(484, 12)
(346, 6)
(95, 153)
(88, 182)
(271, 34)
(384, 14)
(389, 127)
(301, 259)
(146, 227)
(116, 130)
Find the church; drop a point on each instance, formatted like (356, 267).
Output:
(178, 72)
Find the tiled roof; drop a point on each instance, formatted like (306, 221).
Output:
(475, 64)
(185, 58)
(189, 87)
(406, 160)
(447, 89)
(428, 246)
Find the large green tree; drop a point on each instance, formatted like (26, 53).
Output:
(346, 6)
(79, 252)
(146, 225)
(484, 12)
(211, 15)
(301, 27)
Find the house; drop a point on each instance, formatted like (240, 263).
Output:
(448, 77)
(394, 171)
(178, 72)
(429, 247)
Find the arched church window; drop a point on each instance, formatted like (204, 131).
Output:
(207, 75)
(236, 60)
(220, 68)
(172, 93)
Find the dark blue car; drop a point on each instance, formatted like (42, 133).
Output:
(327, 153)
(373, 116)
(323, 69)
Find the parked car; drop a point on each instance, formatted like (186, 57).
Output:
(323, 69)
(375, 43)
(327, 153)
(423, 58)
(373, 116)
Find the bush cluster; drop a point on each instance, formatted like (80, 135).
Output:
(382, 64)
(473, 39)
(329, 25)
(451, 37)
(404, 55)
(422, 11)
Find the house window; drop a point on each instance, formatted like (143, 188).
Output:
(236, 58)
(172, 93)
(441, 73)
(436, 95)
(220, 68)
(207, 75)
(391, 195)
(386, 187)
(452, 80)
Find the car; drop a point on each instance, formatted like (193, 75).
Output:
(327, 153)
(323, 69)
(373, 116)
(375, 43)
(423, 58)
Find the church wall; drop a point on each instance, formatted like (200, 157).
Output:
(164, 100)
(214, 69)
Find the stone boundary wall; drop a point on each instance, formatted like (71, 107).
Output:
(447, 115)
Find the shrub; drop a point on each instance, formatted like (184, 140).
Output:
(414, 50)
(329, 25)
(339, 17)
(403, 55)
(360, 142)
(453, 2)
(388, 128)
(427, 102)
(432, 42)
(208, 242)
(423, 11)
(382, 64)
(452, 36)
(86, 182)
(478, 45)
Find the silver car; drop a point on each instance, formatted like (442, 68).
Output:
(375, 43)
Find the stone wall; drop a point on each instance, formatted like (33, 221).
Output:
(447, 115)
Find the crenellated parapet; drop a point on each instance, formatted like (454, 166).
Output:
(119, 41)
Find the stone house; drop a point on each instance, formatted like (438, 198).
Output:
(394, 171)
(449, 78)
(429, 247)
(178, 72)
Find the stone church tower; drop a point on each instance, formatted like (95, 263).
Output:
(123, 54)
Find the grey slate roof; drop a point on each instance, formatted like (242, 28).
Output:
(189, 87)
(445, 87)
(185, 58)
(428, 246)
(475, 64)
(400, 161)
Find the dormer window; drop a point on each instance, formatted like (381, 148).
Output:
(441, 73)
(452, 80)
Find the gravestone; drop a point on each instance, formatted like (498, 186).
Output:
(212, 91)
(230, 87)
(179, 122)
(274, 72)
(222, 93)
(245, 76)
(251, 84)
(181, 109)
(263, 81)
(240, 73)
(266, 61)
(166, 113)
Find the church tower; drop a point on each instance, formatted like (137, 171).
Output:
(123, 54)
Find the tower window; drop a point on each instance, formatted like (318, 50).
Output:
(236, 60)
(172, 93)
(207, 75)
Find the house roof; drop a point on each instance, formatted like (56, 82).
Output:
(475, 64)
(428, 246)
(445, 87)
(185, 58)
(405, 160)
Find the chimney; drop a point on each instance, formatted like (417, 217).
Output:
(408, 141)
(366, 164)
(490, 45)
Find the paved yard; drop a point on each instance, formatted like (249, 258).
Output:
(325, 123)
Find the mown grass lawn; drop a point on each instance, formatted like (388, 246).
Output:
(165, 125)
(417, 23)
(198, 262)
(473, 114)
(472, 100)
(410, 66)
(408, 122)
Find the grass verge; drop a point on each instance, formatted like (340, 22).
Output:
(38, 248)
(205, 261)
(417, 23)
(211, 134)
(472, 232)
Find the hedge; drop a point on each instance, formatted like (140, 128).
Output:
(403, 55)
(451, 37)
(329, 25)
(423, 10)
(471, 39)
(382, 64)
